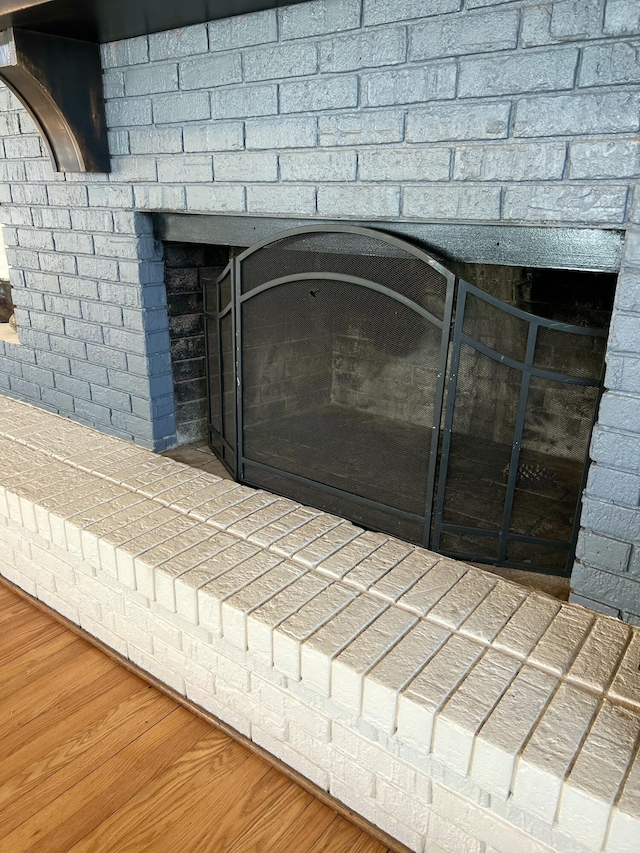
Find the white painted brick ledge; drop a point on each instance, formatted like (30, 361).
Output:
(453, 709)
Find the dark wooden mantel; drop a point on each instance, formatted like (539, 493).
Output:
(49, 58)
(110, 20)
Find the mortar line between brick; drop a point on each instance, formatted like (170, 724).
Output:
(635, 755)
(578, 751)
(532, 729)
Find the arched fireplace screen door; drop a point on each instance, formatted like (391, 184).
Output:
(327, 353)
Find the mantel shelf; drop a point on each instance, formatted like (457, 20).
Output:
(110, 20)
(59, 82)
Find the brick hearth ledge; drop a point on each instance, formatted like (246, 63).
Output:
(456, 711)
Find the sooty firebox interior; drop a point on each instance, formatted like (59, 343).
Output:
(448, 405)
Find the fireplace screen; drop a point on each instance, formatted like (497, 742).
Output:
(328, 351)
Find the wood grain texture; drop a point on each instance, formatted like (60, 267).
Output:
(58, 767)
(305, 831)
(339, 837)
(47, 690)
(10, 611)
(273, 822)
(81, 808)
(26, 665)
(94, 760)
(25, 630)
(23, 671)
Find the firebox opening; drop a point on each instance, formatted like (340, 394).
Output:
(338, 389)
(577, 297)
(185, 264)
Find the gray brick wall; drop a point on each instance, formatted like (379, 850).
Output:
(607, 569)
(90, 300)
(440, 110)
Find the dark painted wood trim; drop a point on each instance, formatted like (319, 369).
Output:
(110, 20)
(59, 82)
(326, 798)
(596, 249)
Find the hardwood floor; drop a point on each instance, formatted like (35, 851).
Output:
(94, 760)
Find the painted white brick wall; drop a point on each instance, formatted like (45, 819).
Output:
(521, 736)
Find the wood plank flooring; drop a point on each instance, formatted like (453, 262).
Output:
(94, 760)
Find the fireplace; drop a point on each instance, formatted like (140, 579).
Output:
(448, 405)
(424, 356)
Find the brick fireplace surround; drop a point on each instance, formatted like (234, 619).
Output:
(489, 112)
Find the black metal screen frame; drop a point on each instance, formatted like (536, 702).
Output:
(453, 336)
(215, 315)
(239, 299)
(528, 370)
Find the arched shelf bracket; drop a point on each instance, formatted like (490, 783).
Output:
(59, 82)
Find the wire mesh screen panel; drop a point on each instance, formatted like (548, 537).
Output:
(213, 377)
(227, 374)
(485, 410)
(503, 332)
(485, 547)
(311, 494)
(341, 375)
(554, 447)
(582, 356)
(522, 399)
(358, 253)
(329, 389)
